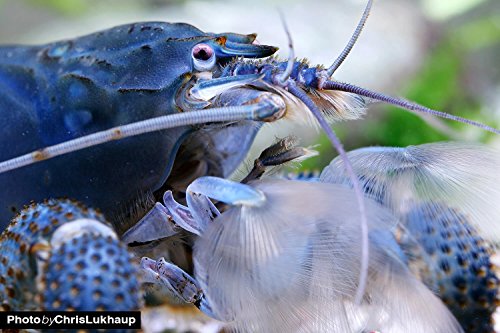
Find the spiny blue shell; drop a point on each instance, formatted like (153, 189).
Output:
(458, 264)
(31, 230)
(91, 273)
(32, 225)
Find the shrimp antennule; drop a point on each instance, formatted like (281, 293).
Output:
(403, 103)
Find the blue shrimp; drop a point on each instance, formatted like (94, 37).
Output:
(65, 90)
(67, 93)
(241, 90)
(202, 77)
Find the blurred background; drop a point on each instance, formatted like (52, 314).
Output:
(444, 54)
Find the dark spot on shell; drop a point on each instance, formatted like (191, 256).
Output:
(445, 249)
(80, 266)
(445, 266)
(11, 292)
(97, 280)
(20, 275)
(460, 283)
(119, 298)
(97, 295)
(56, 304)
(74, 291)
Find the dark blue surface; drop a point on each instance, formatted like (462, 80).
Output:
(18, 269)
(91, 273)
(458, 264)
(64, 90)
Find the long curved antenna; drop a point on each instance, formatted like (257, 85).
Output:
(340, 59)
(403, 103)
(291, 54)
(300, 94)
(224, 114)
(363, 275)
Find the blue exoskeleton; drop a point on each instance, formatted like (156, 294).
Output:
(61, 92)
(287, 256)
(57, 92)
(60, 255)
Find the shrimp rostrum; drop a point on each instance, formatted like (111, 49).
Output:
(386, 239)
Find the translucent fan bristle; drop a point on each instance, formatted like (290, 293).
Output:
(293, 265)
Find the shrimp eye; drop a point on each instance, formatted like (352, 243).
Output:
(203, 57)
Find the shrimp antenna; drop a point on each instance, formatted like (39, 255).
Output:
(340, 59)
(223, 114)
(401, 102)
(291, 53)
(302, 95)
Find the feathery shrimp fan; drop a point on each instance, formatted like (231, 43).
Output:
(292, 265)
(446, 197)
(462, 176)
